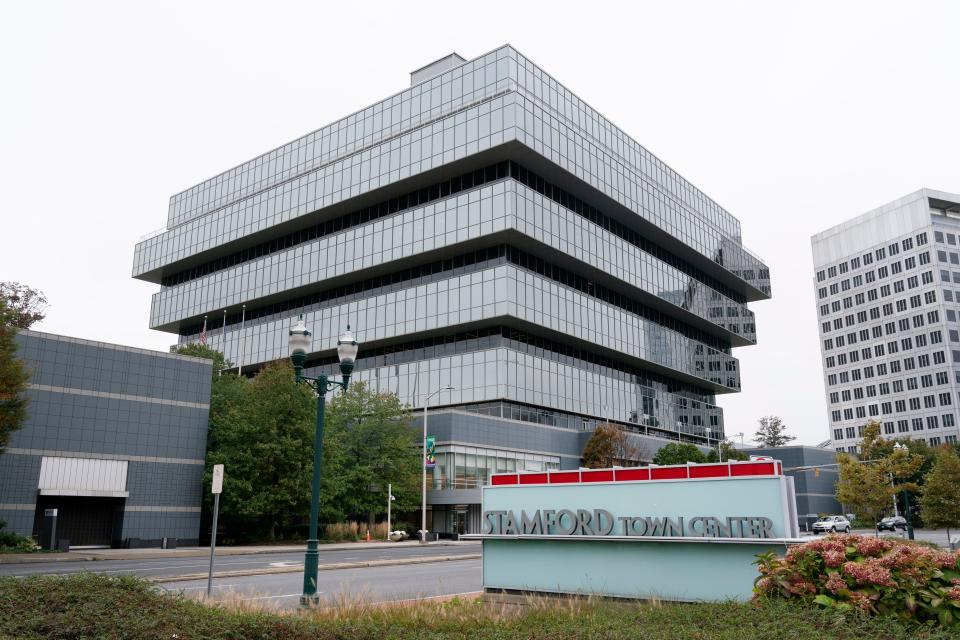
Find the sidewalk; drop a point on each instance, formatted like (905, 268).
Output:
(88, 555)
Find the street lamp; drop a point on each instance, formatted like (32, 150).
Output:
(423, 506)
(347, 348)
(907, 511)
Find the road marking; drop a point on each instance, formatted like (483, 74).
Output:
(216, 586)
(286, 595)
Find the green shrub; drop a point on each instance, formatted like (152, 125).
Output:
(11, 542)
(877, 576)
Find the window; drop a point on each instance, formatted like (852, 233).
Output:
(821, 276)
(936, 337)
(915, 301)
(898, 386)
(927, 277)
(907, 244)
(901, 405)
(929, 402)
(892, 347)
(834, 289)
(939, 357)
(834, 397)
(857, 281)
(855, 262)
(929, 297)
(870, 276)
(921, 239)
(912, 282)
(938, 236)
(881, 369)
(843, 267)
(882, 272)
(910, 263)
(896, 267)
(835, 415)
(825, 327)
(921, 340)
(932, 317)
(832, 272)
(867, 258)
(924, 257)
(901, 305)
(917, 424)
(880, 253)
(861, 412)
(894, 249)
(838, 434)
(926, 380)
(948, 420)
(902, 426)
(861, 316)
(886, 408)
(888, 428)
(945, 399)
(888, 309)
(884, 290)
(942, 377)
(933, 422)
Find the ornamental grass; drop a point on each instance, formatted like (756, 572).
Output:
(876, 576)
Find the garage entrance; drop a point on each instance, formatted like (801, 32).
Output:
(83, 520)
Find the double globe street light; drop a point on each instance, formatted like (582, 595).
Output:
(347, 348)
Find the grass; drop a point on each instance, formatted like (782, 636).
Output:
(95, 606)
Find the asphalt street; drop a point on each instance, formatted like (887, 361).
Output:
(343, 586)
(190, 565)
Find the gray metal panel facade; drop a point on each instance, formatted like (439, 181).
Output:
(101, 401)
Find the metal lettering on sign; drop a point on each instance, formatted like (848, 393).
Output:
(600, 522)
(217, 484)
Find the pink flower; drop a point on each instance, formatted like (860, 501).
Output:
(870, 571)
(835, 583)
(860, 601)
(872, 546)
(833, 559)
(954, 593)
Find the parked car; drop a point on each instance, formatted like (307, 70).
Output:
(892, 523)
(832, 524)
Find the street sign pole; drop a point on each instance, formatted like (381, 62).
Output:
(389, 500)
(216, 488)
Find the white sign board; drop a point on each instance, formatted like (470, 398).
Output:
(217, 485)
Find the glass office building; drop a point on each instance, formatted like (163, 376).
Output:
(486, 229)
(888, 294)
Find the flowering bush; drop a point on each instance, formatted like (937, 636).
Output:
(874, 575)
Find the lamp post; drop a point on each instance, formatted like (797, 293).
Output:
(423, 505)
(907, 511)
(347, 348)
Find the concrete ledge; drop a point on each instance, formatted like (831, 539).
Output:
(324, 567)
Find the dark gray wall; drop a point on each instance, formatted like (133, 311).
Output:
(96, 400)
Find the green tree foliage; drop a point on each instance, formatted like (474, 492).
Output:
(376, 446)
(864, 488)
(608, 446)
(772, 433)
(678, 453)
(25, 306)
(729, 453)
(940, 498)
(868, 487)
(262, 432)
(13, 378)
(197, 350)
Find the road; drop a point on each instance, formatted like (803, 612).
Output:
(368, 585)
(190, 565)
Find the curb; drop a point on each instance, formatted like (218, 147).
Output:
(185, 553)
(324, 567)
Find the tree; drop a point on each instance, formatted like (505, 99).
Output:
(678, 453)
(13, 378)
(940, 497)
(729, 453)
(608, 446)
(24, 305)
(376, 446)
(197, 350)
(864, 488)
(772, 433)
(262, 431)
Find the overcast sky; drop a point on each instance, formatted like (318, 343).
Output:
(793, 117)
